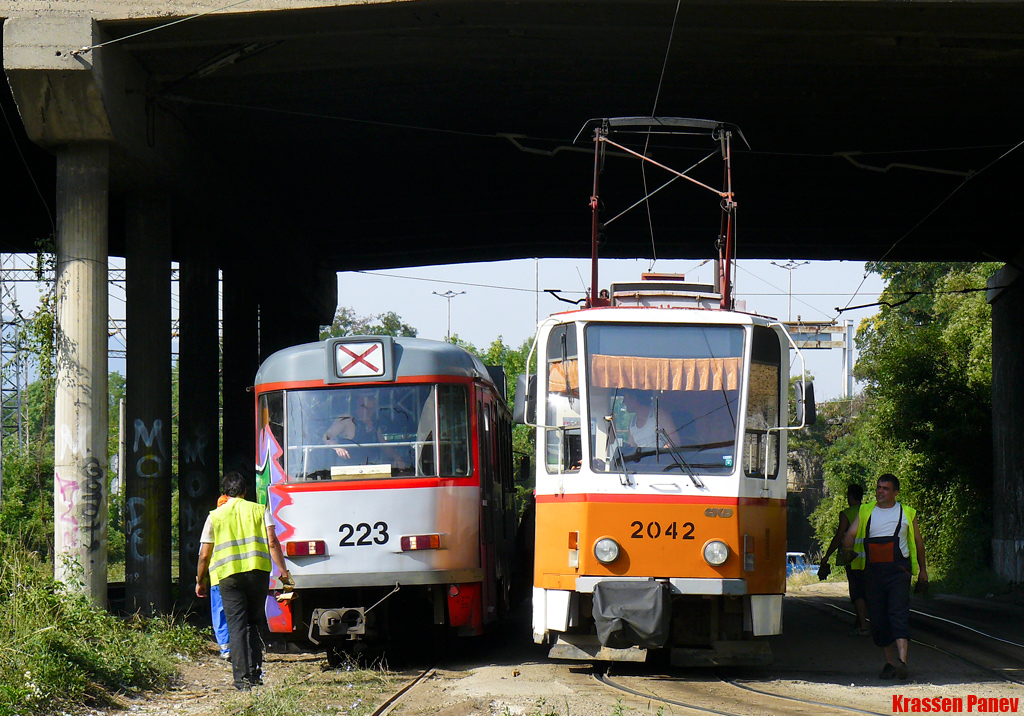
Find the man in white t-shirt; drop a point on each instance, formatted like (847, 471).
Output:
(890, 546)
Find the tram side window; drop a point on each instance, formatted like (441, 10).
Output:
(271, 413)
(760, 447)
(454, 431)
(563, 440)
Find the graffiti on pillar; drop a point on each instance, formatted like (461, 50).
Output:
(150, 464)
(93, 503)
(67, 521)
(68, 442)
(195, 486)
(136, 535)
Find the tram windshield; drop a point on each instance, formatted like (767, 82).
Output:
(663, 397)
(377, 432)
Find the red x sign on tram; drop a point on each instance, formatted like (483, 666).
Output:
(360, 364)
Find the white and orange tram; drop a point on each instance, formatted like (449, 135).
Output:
(660, 479)
(386, 463)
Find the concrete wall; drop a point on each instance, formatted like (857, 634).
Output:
(133, 9)
(1006, 295)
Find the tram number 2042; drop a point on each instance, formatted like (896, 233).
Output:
(654, 530)
(363, 534)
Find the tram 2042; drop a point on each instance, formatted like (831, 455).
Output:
(387, 466)
(661, 425)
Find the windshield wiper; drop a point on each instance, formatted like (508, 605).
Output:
(628, 478)
(680, 461)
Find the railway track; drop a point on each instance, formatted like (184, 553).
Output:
(742, 702)
(943, 646)
(395, 699)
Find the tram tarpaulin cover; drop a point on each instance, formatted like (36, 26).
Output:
(632, 614)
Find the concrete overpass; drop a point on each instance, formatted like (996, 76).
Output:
(282, 141)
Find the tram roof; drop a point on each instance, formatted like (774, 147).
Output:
(653, 314)
(413, 357)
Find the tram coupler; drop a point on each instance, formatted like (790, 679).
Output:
(344, 621)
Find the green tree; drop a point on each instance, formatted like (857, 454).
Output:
(926, 361)
(347, 323)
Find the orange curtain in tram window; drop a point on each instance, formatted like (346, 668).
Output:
(637, 373)
(557, 382)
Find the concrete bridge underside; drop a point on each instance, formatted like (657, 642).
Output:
(281, 146)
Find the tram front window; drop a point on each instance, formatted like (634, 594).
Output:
(663, 397)
(371, 432)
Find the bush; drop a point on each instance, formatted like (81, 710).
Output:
(57, 650)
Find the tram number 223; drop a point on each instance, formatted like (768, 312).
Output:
(654, 530)
(364, 534)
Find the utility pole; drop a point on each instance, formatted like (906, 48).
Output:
(449, 295)
(790, 266)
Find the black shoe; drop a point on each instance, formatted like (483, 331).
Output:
(901, 670)
(888, 672)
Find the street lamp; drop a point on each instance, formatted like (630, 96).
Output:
(449, 295)
(790, 266)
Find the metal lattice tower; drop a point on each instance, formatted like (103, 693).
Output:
(12, 368)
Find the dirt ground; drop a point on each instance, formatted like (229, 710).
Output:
(815, 659)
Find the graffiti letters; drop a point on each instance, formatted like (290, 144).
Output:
(194, 451)
(93, 504)
(136, 535)
(150, 464)
(68, 442)
(67, 520)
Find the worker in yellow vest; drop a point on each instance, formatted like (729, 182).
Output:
(890, 545)
(854, 576)
(236, 548)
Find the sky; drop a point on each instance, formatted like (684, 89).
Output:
(502, 299)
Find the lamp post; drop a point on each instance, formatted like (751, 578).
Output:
(449, 295)
(790, 266)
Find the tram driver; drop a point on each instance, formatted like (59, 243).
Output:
(359, 439)
(650, 422)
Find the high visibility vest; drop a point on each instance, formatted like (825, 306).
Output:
(862, 525)
(240, 540)
(858, 546)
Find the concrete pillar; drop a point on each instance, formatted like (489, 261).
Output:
(80, 450)
(240, 362)
(1006, 294)
(198, 404)
(148, 399)
(294, 314)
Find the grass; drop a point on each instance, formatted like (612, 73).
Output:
(803, 578)
(346, 691)
(58, 651)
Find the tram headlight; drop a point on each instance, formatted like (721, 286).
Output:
(716, 552)
(606, 550)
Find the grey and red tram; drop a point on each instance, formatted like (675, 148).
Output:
(386, 463)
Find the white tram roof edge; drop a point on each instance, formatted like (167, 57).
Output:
(651, 314)
(412, 357)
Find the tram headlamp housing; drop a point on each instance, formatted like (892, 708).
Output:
(606, 550)
(716, 552)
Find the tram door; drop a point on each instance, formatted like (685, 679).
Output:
(492, 505)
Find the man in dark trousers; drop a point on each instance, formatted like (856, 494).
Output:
(238, 543)
(887, 537)
(854, 576)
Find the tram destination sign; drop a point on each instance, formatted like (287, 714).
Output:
(360, 359)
